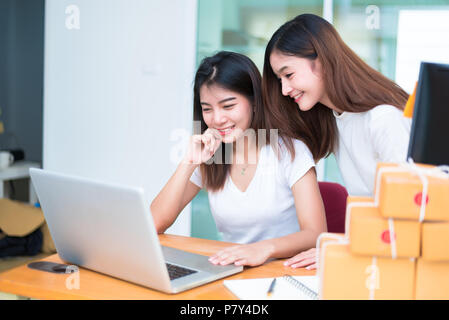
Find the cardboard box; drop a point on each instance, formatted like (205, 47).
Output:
(347, 276)
(432, 280)
(19, 219)
(400, 194)
(369, 234)
(329, 236)
(352, 199)
(435, 241)
(326, 237)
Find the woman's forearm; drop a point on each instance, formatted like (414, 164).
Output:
(166, 207)
(287, 246)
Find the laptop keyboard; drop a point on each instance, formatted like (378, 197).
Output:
(176, 272)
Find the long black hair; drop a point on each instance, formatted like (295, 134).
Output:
(237, 73)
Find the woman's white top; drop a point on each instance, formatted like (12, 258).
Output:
(266, 209)
(364, 139)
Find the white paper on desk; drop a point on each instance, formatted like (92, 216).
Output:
(256, 289)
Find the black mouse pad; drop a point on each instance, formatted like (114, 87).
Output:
(52, 267)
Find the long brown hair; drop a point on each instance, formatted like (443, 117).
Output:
(350, 83)
(237, 73)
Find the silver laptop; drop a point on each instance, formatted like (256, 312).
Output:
(109, 228)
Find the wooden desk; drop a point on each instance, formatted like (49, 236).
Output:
(26, 282)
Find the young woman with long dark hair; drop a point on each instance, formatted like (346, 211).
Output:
(263, 194)
(318, 90)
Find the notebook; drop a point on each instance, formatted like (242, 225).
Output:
(286, 288)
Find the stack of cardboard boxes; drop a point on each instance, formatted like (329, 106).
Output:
(395, 246)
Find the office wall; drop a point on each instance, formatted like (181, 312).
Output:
(21, 75)
(118, 86)
(3, 63)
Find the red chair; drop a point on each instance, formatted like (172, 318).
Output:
(334, 198)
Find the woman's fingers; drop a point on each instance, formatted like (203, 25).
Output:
(302, 259)
(226, 256)
(213, 132)
(228, 260)
(203, 146)
(241, 262)
(217, 143)
(194, 150)
(215, 138)
(211, 143)
(253, 254)
(298, 258)
(206, 141)
(304, 263)
(312, 266)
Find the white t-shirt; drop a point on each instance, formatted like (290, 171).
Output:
(266, 209)
(378, 135)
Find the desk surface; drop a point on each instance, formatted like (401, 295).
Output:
(92, 285)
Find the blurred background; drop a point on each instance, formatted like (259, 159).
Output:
(103, 88)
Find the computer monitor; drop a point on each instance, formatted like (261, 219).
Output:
(429, 136)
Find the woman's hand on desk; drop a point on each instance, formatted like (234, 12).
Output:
(304, 259)
(253, 254)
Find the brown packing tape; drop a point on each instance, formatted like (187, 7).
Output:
(18, 219)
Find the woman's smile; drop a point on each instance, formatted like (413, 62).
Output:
(225, 131)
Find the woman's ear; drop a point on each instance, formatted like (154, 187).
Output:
(316, 67)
